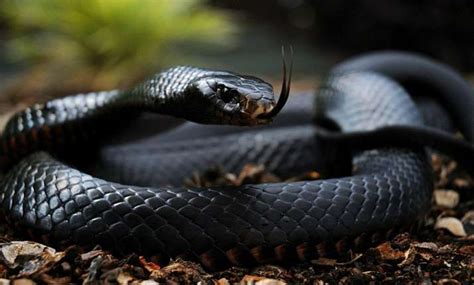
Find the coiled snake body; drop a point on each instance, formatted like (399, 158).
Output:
(388, 190)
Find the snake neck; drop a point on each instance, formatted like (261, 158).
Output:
(50, 126)
(164, 92)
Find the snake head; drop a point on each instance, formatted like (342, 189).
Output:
(235, 99)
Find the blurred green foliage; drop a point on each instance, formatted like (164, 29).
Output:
(108, 41)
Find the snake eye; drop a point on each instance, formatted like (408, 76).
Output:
(228, 95)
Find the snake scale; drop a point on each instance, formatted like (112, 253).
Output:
(379, 190)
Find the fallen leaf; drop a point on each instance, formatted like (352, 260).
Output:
(217, 176)
(461, 183)
(268, 281)
(427, 245)
(180, 270)
(425, 249)
(445, 249)
(91, 255)
(223, 281)
(447, 281)
(402, 241)
(94, 270)
(258, 280)
(387, 253)
(48, 279)
(467, 250)
(23, 281)
(124, 278)
(33, 258)
(12, 250)
(425, 255)
(451, 224)
(350, 261)
(324, 261)
(409, 256)
(311, 175)
(446, 198)
(468, 222)
(150, 266)
(149, 282)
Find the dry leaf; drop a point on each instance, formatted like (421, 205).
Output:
(180, 269)
(91, 255)
(467, 250)
(427, 245)
(461, 183)
(324, 261)
(448, 282)
(23, 281)
(409, 257)
(451, 224)
(31, 257)
(387, 253)
(446, 198)
(425, 255)
(48, 279)
(124, 278)
(468, 222)
(223, 281)
(93, 270)
(149, 282)
(148, 265)
(268, 281)
(257, 280)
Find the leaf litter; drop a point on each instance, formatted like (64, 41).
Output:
(442, 252)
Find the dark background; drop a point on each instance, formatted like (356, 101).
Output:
(321, 32)
(442, 29)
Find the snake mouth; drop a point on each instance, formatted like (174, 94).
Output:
(285, 88)
(255, 108)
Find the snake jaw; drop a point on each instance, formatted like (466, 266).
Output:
(257, 108)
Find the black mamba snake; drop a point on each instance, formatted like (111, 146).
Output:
(361, 116)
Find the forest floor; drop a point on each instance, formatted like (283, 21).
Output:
(442, 252)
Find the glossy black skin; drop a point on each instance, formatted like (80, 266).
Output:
(200, 95)
(227, 99)
(388, 190)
